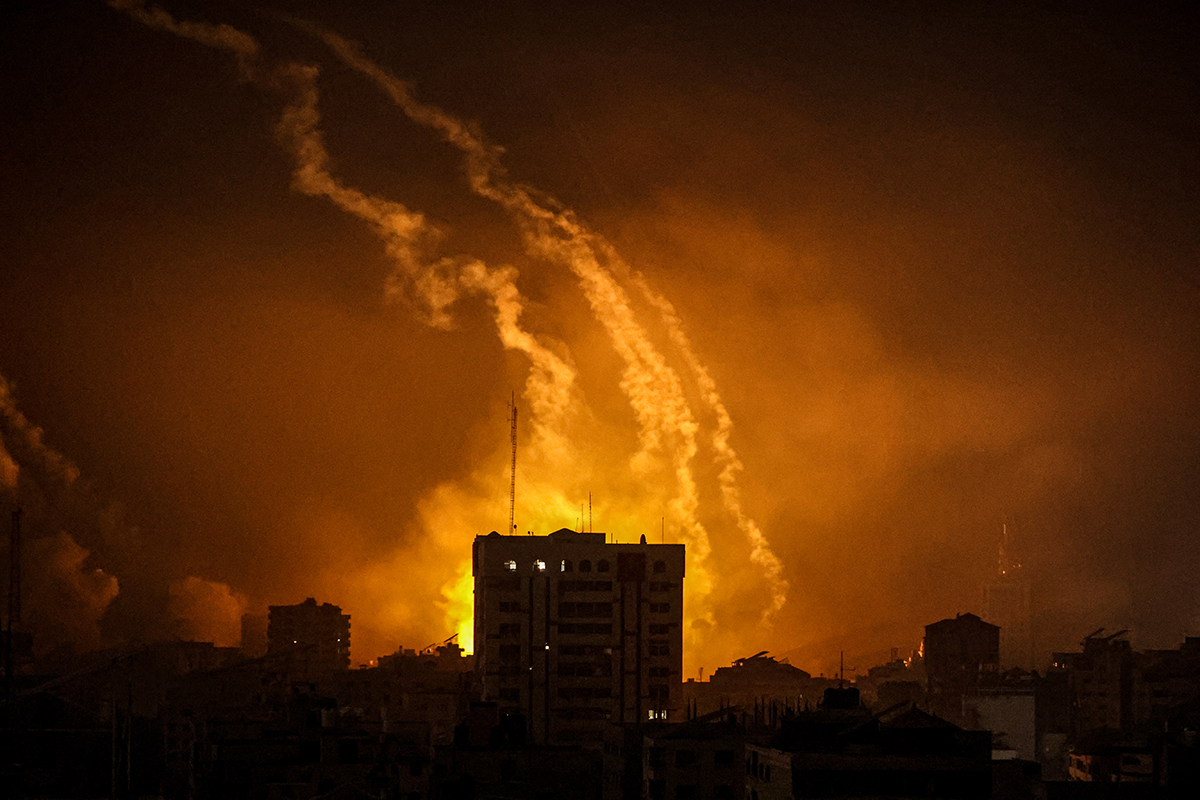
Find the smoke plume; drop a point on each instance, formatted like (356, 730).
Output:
(206, 611)
(67, 596)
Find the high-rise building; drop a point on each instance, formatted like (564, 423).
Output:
(572, 632)
(318, 635)
(1006, 602)
(961, 654)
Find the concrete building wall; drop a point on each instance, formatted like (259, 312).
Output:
(573, 633)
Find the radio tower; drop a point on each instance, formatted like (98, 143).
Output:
(512, 482)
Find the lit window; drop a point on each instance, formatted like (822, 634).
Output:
(565, 566)
(540, 566)
(511, 565)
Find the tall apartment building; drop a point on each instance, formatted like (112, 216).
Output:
(318, 635)
(573, 632)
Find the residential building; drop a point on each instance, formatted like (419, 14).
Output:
(317, 635)
(572, 633)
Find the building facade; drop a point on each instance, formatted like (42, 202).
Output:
(573, 633)
(318, 635)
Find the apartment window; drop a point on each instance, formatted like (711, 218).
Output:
(511, 566)
(585, 566)
(660, 608)
(602, 566)
(539, 566)
(510, 630)
(685, 758)
(565, 566)
(659, 649)
(659, 630)
(510, 695)
(660, 566)
(660, 672)
(724, 758)
(510, 606)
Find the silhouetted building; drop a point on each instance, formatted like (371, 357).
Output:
(960, 655)
(254, 635)
(843, 751)
(572, 632)
(318, 635)
(1007, 603)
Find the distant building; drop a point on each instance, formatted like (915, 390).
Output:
(318, 635)
(254, 635)
(572, 633)
(961, 654)
(1007, 603)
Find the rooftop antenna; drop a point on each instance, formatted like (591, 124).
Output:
(512, 482)
(590, 528)
(662, 531)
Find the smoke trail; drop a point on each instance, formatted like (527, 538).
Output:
(760, 549)
(221, 36)
(407, 236)
(665, 420)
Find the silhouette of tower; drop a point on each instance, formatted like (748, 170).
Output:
(1006, 602)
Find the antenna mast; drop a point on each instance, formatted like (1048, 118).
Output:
(512, 483)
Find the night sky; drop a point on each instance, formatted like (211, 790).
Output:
(937, 263)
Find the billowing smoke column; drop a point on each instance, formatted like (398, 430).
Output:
(65, 597)
(668, 427)
(206, 611)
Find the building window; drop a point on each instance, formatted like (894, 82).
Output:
(685, 758)
(602, 566)
(660, 608)
(660, 629)
(511, 566)
(565, 566)
(659, 714)
(510, 606)
(724, 758)
(660, 566)
(660, 672)
(585, 566)
(539, 566)
(659, 649)
(510, 630)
